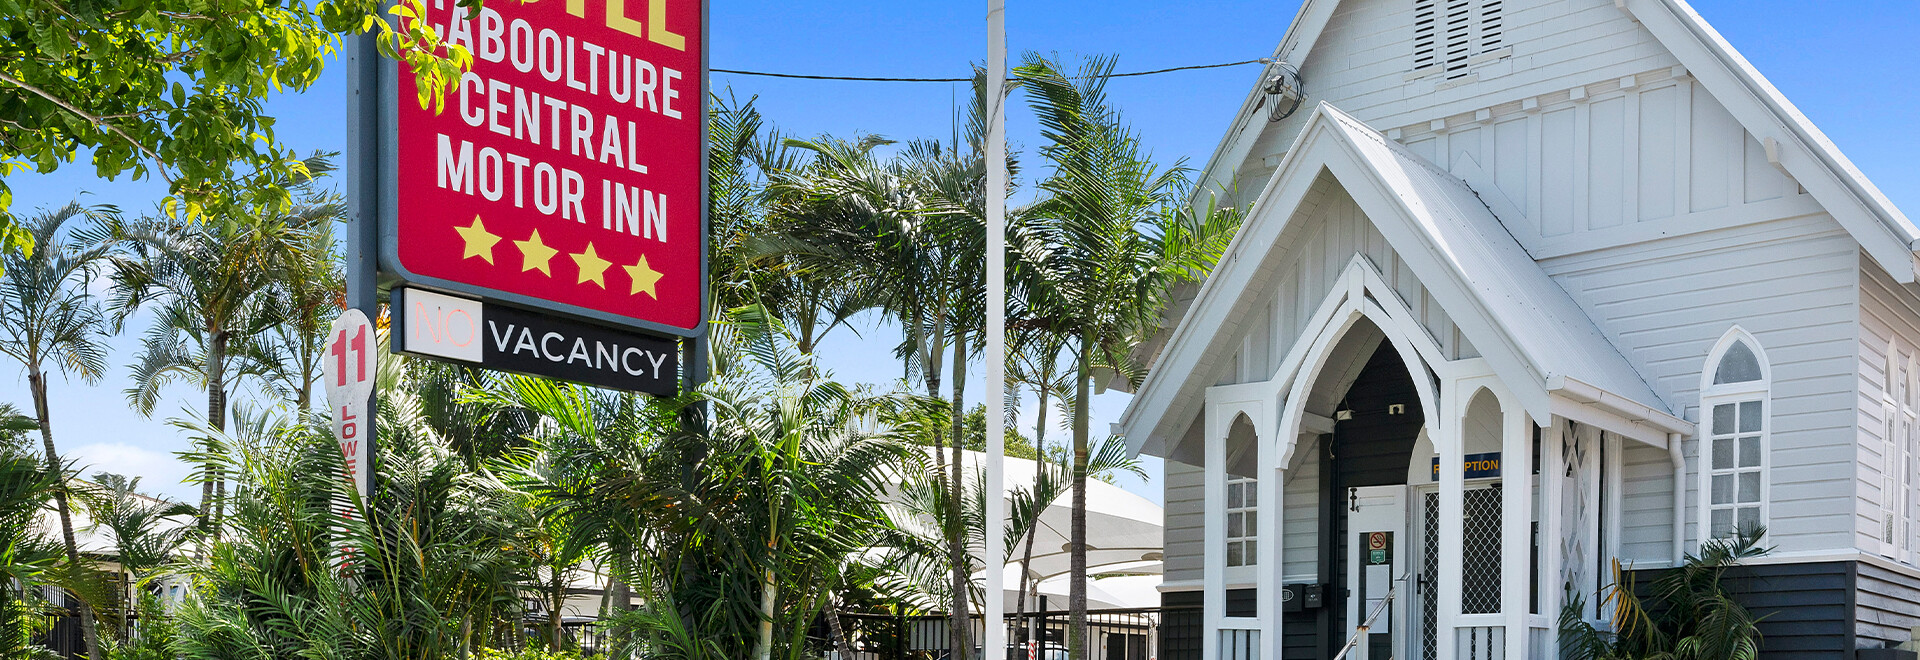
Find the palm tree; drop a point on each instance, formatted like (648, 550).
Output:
(1116, 240)
(47, 318)
(1036, 362)
(1690, 612)
(738, 533)
(144, 538)
(212, 286)
(873, 217)
(551, 539)
(26, 486)
(310, 293)
(431, 569)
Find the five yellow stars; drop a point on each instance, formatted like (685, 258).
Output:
(479, 241)
(592, 267)
(535, 254)
(644, 277)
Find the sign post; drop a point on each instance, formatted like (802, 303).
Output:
(995, 644)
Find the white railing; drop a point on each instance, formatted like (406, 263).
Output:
(1360, 632)
(1239, 644)
(1480, 643)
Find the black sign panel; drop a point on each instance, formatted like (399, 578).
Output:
(512, 339)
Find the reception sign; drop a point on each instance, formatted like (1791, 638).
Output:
(566, 171)
(1475, 466)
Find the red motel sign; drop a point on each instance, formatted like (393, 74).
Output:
(567, 170)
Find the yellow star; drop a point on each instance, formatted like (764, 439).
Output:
(592, 267)
(479, 241)
(644, 277)
(535, 254)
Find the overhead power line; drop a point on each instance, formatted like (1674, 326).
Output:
(952, 80)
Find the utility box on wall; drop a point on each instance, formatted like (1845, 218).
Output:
(1299, 597)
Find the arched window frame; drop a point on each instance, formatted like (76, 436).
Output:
(1899, 525)
(1754, 392)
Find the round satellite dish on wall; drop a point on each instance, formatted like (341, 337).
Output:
(1284, 91)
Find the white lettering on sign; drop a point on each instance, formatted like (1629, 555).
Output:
(443, 326)
(348, 371)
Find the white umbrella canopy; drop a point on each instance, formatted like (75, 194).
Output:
(1122, 586)
(1122, 528)
(1124, 536)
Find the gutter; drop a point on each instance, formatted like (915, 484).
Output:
(1582, 392)
(1679, 498)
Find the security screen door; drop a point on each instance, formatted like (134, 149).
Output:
(1376, 563)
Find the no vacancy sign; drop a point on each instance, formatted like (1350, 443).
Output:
(566, 171)
(510, 339)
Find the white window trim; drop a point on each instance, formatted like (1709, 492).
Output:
(1712, 395)
(1910, 490)
(1900, 489)
(1247, 561)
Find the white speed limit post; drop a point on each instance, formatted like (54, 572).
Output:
(351, 361)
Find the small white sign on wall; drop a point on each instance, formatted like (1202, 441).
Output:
(443, 326)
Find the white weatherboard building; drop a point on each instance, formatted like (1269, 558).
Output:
(1527, 286)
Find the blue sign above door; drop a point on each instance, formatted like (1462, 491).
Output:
(1476, 466)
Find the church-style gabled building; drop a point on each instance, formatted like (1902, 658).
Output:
(1581, 245)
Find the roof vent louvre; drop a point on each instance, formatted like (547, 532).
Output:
(1447, 34)
(1425, 41)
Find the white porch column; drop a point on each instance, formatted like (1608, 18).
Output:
(1272, 487)
(1552, 525)
(1516, 514)
(1214, 544)
(1447, 444)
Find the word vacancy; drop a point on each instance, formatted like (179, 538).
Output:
(546, 170)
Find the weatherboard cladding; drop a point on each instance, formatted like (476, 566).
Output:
(1888, 311)
(1792, 284)
(1646, 505)
(1301, 542)
(1886, 605)
(1184, 529)
(1821, 610)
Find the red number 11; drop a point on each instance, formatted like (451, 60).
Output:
(359, 349)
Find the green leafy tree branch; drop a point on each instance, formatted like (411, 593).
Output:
(176, 89)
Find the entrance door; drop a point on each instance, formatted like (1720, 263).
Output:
(1377, 562)
(1480, 552)
(1426, 582)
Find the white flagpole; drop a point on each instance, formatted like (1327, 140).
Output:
(994, 645)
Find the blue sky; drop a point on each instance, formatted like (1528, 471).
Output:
(1852, 71)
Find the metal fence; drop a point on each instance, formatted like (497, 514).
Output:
(62, 636)
(1130, 634)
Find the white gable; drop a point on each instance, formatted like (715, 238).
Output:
(1593, 123)
(1520, 321)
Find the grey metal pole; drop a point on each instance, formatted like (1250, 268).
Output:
(363, 210)
(995, 645)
